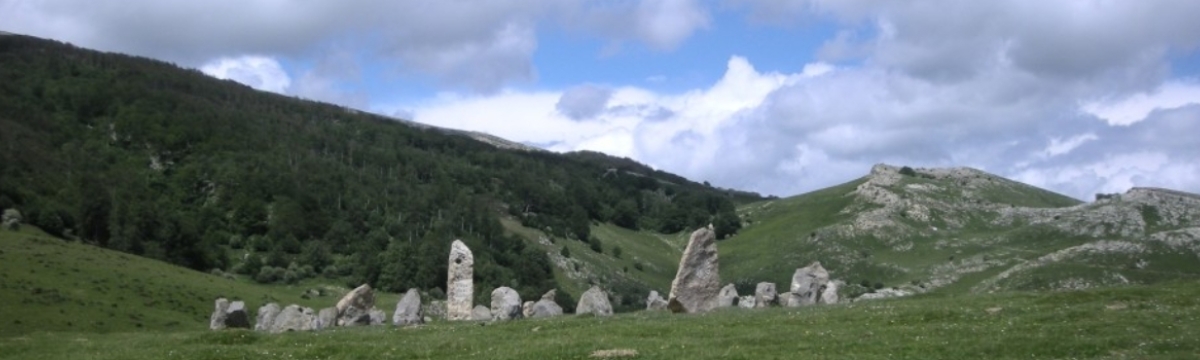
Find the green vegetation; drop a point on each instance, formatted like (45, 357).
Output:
(1155, 322)
(149, 159)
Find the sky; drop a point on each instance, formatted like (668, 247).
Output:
(778, 97)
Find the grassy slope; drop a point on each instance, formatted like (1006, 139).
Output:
(1143, 322)
(47, 284)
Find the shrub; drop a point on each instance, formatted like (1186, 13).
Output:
(565, 252)
(616, 251)
(907, 171)
(638, 266)
(595, 244)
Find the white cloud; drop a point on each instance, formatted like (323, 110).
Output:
(1059, 146)
(1137, 107)
(259, 72)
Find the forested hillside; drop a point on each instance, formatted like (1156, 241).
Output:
(147, 158)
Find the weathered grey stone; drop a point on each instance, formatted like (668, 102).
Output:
(527, 309)
(435, 309)
(748, 302)
(229, 315)
(727, 296)
(698, 280)
(327, 318)
(830, 294)
(377, 316)
(655, 302)
(354, 308)
(546, 306)
(294, 318)
(594, 301)
(11, 219)
(506, 304)
(408, 309)
(808, 282)
(764, 294)
(460, 283)
(265, 319)
(481, 313)
(788, 299)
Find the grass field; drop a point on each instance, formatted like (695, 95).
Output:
(1139, 322)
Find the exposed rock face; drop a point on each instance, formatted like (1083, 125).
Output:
(294, 318)
(747, 302)
(655, 301)
(435, 309)
(506, 304)
(546, 307)
(808, 282)
(460, 284)
(327, 318)
(594, 301)
(354, 308)
(764, 294)
(481, 313)
(266, 317)
(727, 296)
(830, 294)
(408, 309)
(697, 282)
(229, 315)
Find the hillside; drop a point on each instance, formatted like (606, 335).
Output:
(963, 230)
(143, 157)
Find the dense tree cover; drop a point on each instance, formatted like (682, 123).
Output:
(147, 158)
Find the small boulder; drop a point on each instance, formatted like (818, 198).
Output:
(748, 302)
(764, 294)
(808, 282)
(830, 294)
(355, 307)
(727, 296)
(546, 307)
(481, 313)
(506, 304)
(376, 316)
(327, 318)
(408, 309)
(11, 219)
(527, 309)
(788, 299)
(229, 315)
(435, 309)
(594, 301)
(265, 319)
(655, 302)
(294, 318)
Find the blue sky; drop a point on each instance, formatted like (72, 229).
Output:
(779, 97)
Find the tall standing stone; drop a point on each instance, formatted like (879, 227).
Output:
(697, 281)
(594, 301)
(727, 296)
(764, 294)
(408, 309)
(506, 304)
(355, 307)
(808, 282)
(460, 284)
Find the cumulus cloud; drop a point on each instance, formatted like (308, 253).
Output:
(584, 101)
(259, 72)
(660, 24)
(1137, 107)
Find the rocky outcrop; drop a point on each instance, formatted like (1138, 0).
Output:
(481, 313)
(594, 301)
(294, 318)
(747, 302)
(229, 314)
(266, 317)
(546, 307)
(655, 301)
(408, 309)
(808, 282)
(764, 294)
(327, 318)
(355, 307)
(506, 304)
(727, 296)
(460, 285)
(697, 282)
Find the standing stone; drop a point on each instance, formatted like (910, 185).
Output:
(594, 301)
(481, 313)
(830, 294)
(748, 302)
(354, 308)
(808, 282)
(294, 318)
(727, 296)
(327, 318)
(655, 302)
(788, 299)
(506, 304)
(764, 294)
(408, 309)
(460, 283)
(546, 307)
(527, 309)
(229, 315)
(266, 317)
(697, 281)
